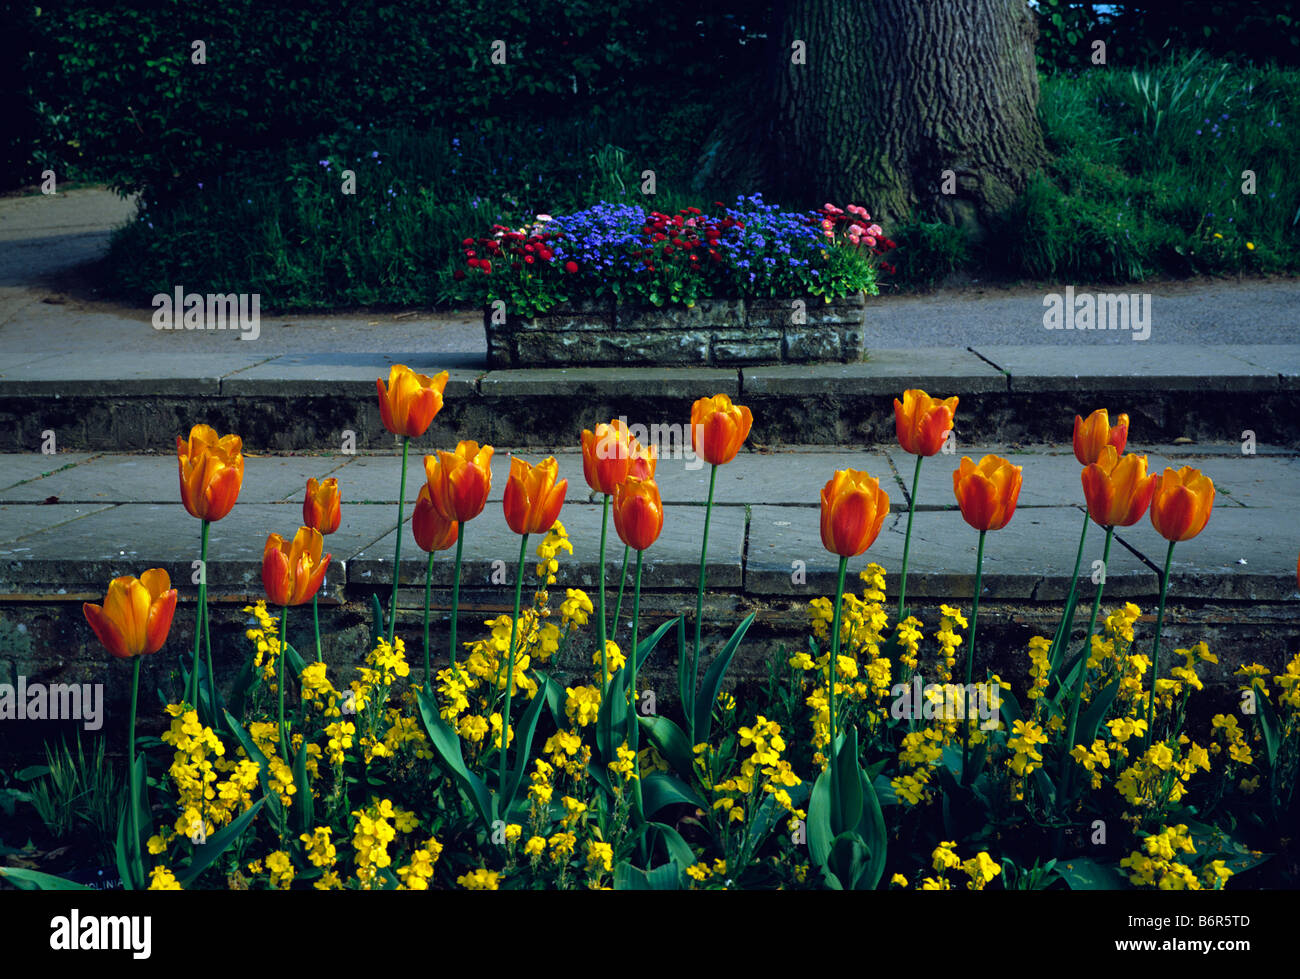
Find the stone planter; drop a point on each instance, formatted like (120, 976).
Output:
(714, 332)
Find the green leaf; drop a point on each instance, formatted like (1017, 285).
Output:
(847, 811)
(122, 854)
(672, 744)
(263, 767)
(713, 680)
(34, 880)
(376, 619)
(523, 748)
(1086, 874)
(447, 743)
(820, 836)
(1096, 712)
(660, 789)
(665, 877)
(849, 859)
(1268, 727)
(205, 854)
(678, 849)
(304, 810)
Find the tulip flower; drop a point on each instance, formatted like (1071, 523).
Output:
(1117, 488)
(533, 497)
(459, 483)
(1095, 433)
(133, 622)
(321, 508)
(211, 475)
(638, 518)
(410, 401)
(407, 406)
(987, 495)
(643, 462)
(638, 513)
(211, 472)
(922, 424)
(433, 532)
(719, 428)
(852, 512)
(532, 503)
(1180, 509)
(606, 460)
(322, 511)
(292, 571)
(606, 456)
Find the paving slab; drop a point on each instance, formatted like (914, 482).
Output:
(108, 376)
(154, 479)
(939, 370)
(672, 563)
(1246, 554)
(1030, 558)
(1141, 367)
(1205, 450)
(752, 477)
(88, 553)
(1048, 479)
(19, 521)
(670, 383)
(9, 359)
(17, 467)
(1282, 358)
(1243, 480)
(347, 374)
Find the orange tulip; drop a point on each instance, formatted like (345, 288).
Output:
(606, 456)
(644, 460)
(433, 531)
(719, 428)
(292, 572)
(533, 498)
(1181, 505)
(459, 482)
(321, 509)
(136, 615)
(987, 493)
(410, 402)
(853, 509)
(1091, 436)
(638, 512)
(1117, 488)
(211, 471)
(923, 422)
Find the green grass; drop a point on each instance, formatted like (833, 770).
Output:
(1145, 181)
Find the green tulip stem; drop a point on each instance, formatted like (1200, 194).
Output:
(133, 811)
(201, 615)
(1087, 648)
(634, 733)
(907, 541)
(397, 553)
(688, 696)
(510, 669)
(1063, 629)
(970, 658)
(455, 591)
(282, 680)
(830, 690)
(315, 621)
(428, 583)
(1155, 647)
(622, 580)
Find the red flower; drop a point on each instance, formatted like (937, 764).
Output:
(570, 266)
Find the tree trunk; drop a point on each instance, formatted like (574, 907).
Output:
(892, 94)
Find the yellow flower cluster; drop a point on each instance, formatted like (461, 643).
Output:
(1025, 738)
(265, 639)
(576, 608)
(1039, 666)
(415, 876)
(980, 869)
(763, 772)
(1158, 865)
(556, 540)
(1147, 784)
(377, 826)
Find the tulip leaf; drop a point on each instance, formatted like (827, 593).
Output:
(446, 742)
(685, 682)
(304, 810)
(713, 680)
(34, 880)
(206, 854)
(849, 860)
(376, 620)
(243, 683)
(819, 820)
(678, 850)
(612, 714)
(1090, 721)
(1086, 874)
(1268, 726)
(846, 812)
(665, 877)
(523, 746)
(650, 642)
(660, 789)
(672, 744)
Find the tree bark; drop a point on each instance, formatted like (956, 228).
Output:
(892, 94)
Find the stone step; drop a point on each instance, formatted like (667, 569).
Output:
(310, 401)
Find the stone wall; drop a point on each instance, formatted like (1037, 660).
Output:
(713, 332)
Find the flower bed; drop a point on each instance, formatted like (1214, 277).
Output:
(877, 756)
(616, 284)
